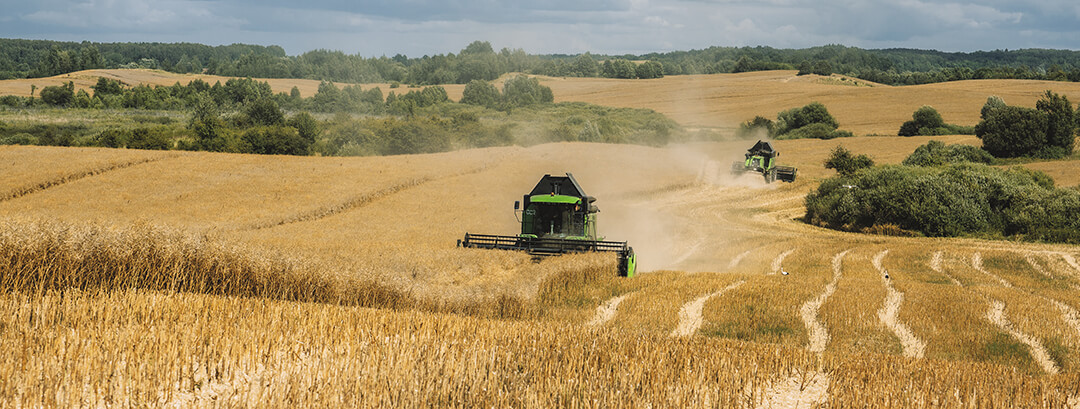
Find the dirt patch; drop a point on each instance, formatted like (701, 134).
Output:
(804, 390)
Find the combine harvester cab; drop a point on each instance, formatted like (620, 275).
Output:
(557, 217)
(761, 158)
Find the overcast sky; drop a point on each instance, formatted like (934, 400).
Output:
(418, 27)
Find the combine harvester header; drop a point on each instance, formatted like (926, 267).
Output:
(556, 217)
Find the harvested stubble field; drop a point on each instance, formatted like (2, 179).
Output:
(184, 279)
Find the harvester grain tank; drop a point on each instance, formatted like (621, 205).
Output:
(556, 217)
(761, 158)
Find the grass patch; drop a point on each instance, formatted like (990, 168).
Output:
(1003, 349)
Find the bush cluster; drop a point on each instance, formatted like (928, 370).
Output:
(927, 121)
(1048, 131)
(958, 199)
(936, 153)
(810, 121)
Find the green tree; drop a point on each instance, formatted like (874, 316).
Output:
(1060, 124)
(925, 121)
(275, 140)
(207, 125)
(585, 66)
(264, 112)
(1012, 131)
(478, 47)
(844, 162)
(59, 95)
(650, 69)
(992, 103)
(619, 68)
(483, 93)
(306, 126)
(522, 91)
(107, 86)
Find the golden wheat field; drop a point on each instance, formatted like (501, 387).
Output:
(189, 279)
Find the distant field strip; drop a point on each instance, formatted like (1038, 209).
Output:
(996, 315)
(690, 314)
(816, 331)
(606, 311)
(913, 347)
(976, 262)
(71, 177)
(359, 201)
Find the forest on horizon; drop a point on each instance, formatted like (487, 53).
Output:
(43, 58)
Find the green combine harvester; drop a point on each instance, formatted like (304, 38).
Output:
(557, 217)
(761, 158)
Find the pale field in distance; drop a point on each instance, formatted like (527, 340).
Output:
(719, 101)
(960, 322)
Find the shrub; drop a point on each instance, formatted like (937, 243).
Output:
(936, 153)
(952, 200)
(21, 138)
(59, 95)
(148, 138)
(275, 140)
(264, 112)
(812, 113)
(482, 93)
(810, 121)
(845, 163)
(522, 91)
(113, 138)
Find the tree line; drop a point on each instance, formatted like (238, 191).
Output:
(242, 115)
(479, 61)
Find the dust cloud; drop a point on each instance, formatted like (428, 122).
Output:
(677, 222)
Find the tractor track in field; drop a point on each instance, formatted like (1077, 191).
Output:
(606, 311)
(935, 265)
(913, 347)
(74, 176)
(1070, 260)
(1068, 314)
(360, 201)
(976, 263)
(737, 259)
(819, 336)
(1030, 258)
(690, 315)
(778, 262)
(996, 315)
